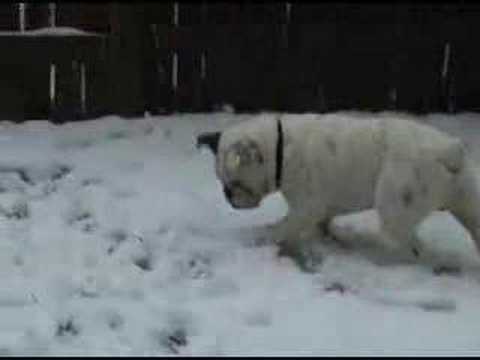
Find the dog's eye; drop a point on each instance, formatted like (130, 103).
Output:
(237, 160)
(233, 161)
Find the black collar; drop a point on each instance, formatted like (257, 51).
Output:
(279, 155)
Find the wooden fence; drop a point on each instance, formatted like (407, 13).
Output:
(164, 56)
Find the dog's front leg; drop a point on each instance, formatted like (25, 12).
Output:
(285, 231)
(276, 233)
(298, 237)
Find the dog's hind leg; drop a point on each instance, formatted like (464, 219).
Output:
(465, 204)
(330, 235)
(401, 205)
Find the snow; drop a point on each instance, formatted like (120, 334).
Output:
(115, 239)
(51, 31)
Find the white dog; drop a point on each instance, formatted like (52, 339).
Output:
(329, 165)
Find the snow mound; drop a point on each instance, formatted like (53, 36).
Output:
(115, 239)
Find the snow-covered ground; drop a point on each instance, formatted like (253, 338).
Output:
(51, 31)
(115, 238)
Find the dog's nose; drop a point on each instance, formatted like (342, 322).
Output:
(228, 192)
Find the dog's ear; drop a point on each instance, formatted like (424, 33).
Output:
(210, 139)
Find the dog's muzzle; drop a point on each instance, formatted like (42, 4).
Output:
(228, 193)
(240, 197)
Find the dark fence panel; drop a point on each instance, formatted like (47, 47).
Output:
(25, 76)
(344, 55)
(465, 59)
(194, 56)
(247, 44)
(88, 17)
(155, 20)
(419, 48)
(188, 43)
(9, 20)
(37, 15)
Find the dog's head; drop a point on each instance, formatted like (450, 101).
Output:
(244, 161)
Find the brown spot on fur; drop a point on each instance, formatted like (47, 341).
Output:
(415, 252)
(331, 145)
(266, 187)
(416, 172)
(424, 189)
(407, 196)
(453, 170)
(254, 151)
(323, 226)
(248, 151)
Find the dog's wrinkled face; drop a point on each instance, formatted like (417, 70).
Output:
(242, 173)
(240, 166)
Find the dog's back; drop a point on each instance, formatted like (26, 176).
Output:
(335, 157)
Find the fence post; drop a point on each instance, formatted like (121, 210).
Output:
(67, 93)
(124, 66)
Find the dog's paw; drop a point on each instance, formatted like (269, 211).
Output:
(266, 235)
(336, 242)
(285, 249)
(306, 256)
